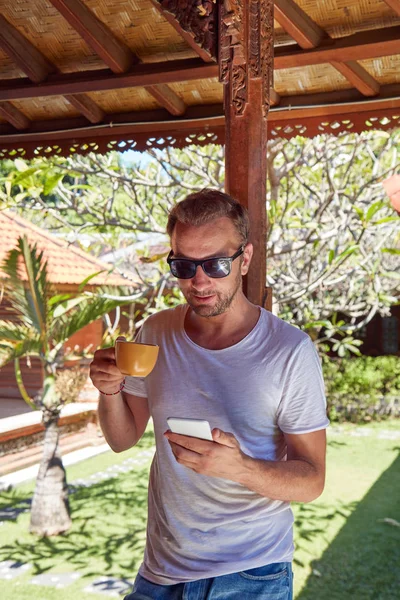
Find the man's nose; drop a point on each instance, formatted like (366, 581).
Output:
(200, 278)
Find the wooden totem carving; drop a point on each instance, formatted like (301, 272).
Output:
(246, 69)
(199, 18)
(246, 42)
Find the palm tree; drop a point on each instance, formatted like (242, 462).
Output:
(45, 322)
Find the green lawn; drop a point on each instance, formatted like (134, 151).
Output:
(343, 548)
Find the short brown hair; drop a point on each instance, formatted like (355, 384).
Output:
(207, 205)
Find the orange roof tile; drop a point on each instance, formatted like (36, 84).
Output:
(66, 264)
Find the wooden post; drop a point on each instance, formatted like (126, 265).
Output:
(246, 68)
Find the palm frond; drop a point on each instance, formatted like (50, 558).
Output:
(14, 286)
(95, 307)
(15, 332)
(36, 268)
(10, 351)
(30, 300)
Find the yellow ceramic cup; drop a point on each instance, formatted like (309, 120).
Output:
(137, 360)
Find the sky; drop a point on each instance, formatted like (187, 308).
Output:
(130, 157)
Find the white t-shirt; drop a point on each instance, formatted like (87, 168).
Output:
(268, 383)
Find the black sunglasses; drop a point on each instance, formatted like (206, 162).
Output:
(184, 268)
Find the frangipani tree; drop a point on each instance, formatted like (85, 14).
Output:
(333, 240)
(45, 321)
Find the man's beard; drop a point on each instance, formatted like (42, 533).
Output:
(223, 301)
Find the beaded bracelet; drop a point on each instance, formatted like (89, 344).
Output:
(121, 387)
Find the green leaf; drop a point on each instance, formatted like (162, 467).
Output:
(360, 212)
(29, 301)
(373, 209)
(22, 175)
(64, 327)
(391, 251)
(31, 347)
(331, 256)
(80, 186)
(385, 220)
(347, 252)
(36, 269)
(85, 281)
(312, 324)
(59, 298)
(20, 164)
(67, 305)
(14, 332)
(51, 182)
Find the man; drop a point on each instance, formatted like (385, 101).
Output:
(219, 521)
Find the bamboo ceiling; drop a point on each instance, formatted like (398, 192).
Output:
(81, 75)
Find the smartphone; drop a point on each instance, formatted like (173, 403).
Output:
(192, 427)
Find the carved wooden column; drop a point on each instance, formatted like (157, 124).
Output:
(246, 68)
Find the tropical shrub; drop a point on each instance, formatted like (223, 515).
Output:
(362, 388)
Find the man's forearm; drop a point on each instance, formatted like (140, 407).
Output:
(117, 422)
(290, 481)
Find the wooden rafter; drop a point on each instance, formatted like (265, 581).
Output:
(87, 107)
(326, 106)
(359, 46)
(37, 67)
(142, 75)
(274, 97)
(329, 104)
(167, 98)
(358, 76)
(115, 54)
(23, 53)
(395, 4)
(188, 37)
(14, 116)
(309, 35)
(365, 45)
(322, 104)
(138, 122)
(96, 34)
(298, 24)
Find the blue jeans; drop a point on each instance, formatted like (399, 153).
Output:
(270, 582)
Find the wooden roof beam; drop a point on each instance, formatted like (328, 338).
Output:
(395, 4)
(37, 67)
(85, 105)
(309, 35)
(96, 34)
(358, 76)
(141, 122)
(364, 45)
(24, 54)
(298, 24)
(328, 106)
(167, 98)
(144, 75)
(115, 54)
(274, 97)
(13, 115)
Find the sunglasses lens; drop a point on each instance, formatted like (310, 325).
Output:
(217, 268)
(183, 269)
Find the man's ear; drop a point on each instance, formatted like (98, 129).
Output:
(247, 256)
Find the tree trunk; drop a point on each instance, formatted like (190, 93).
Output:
(50, 513)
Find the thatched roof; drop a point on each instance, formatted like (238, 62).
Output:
(80, 75)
